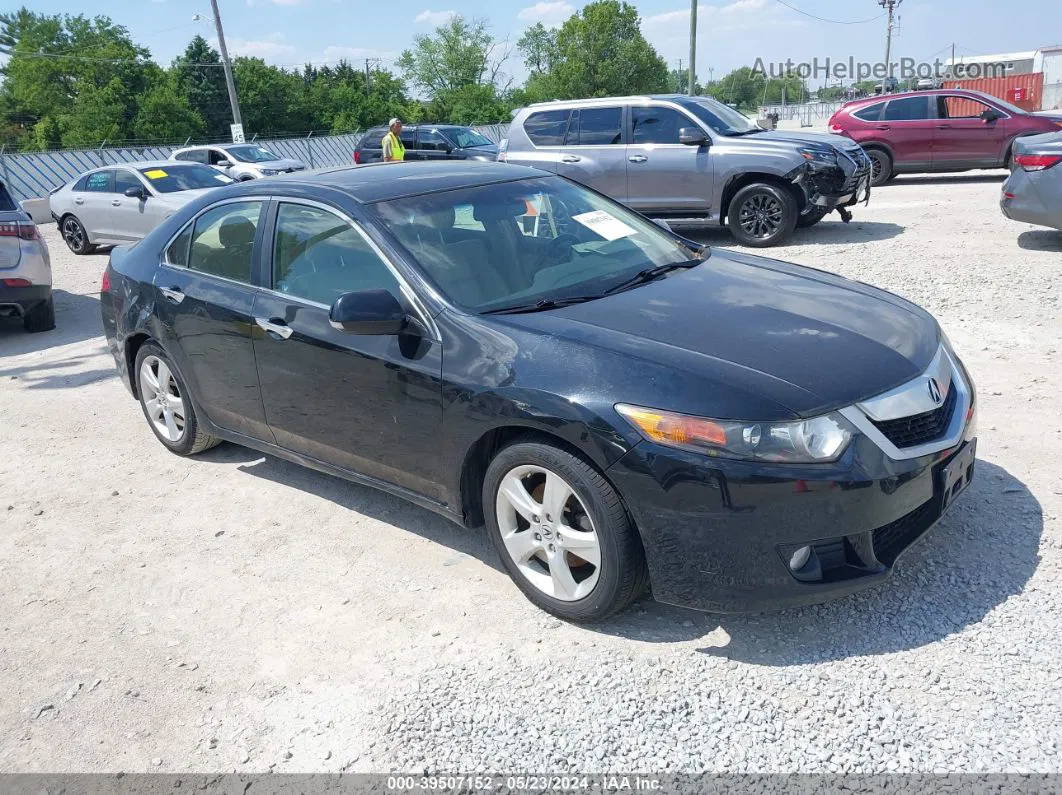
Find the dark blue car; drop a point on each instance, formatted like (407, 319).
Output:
(618, 405)
(429, 142)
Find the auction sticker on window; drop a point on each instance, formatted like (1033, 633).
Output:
(156, 173)
(608, 226)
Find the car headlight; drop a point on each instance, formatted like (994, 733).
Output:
(826, 157)
(819, 439)
(269, 172)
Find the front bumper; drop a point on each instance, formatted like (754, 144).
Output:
(718, 534)
(21, 300)
(841, 185)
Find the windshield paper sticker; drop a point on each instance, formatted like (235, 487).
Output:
(601, 223)
(157, 173)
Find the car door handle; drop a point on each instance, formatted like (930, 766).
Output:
(79, 201)
(173, 294)
(115, 203)
(883, 127)
(943, 126)
(637, 158)
(571, 159)
(274, 326)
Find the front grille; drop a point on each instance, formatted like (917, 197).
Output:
(893, 538)
(920, 428)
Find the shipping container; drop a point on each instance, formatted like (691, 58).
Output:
(1026, 91)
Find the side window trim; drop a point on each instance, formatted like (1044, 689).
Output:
(264, 214)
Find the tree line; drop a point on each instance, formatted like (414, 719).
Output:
(75, 81)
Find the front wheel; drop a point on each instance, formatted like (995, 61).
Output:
(562, 532)
(166, 404)
(880, 167)
(762, 215)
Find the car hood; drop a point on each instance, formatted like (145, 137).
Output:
(794, 138)
(283, 164)
(803, 339)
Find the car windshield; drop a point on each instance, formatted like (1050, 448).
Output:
(723, 119)
(251, 154)
(172, 178)
(465, 138)
(528, 243)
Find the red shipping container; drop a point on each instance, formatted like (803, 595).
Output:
(1026, 91)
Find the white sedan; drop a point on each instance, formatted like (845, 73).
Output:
(121, 203)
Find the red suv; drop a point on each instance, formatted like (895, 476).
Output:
(944, 130)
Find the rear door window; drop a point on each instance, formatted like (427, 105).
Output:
(907, 109)
(547, 127)
(6, 202)
(223, 240)
(595, 127)
(194, 156)
(100, 182)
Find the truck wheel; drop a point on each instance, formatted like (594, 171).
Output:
(812, 217)
(762, 215)
(880, 167)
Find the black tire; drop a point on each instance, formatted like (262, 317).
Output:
(621, 576)
(41, 317)
(812, 217)
(75, 235)
(881, 167)
(762, 215)
(192, 440)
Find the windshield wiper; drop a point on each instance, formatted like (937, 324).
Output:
(651, 273)
(544, 304)
(753, 131)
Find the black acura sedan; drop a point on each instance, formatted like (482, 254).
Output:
(619, 406)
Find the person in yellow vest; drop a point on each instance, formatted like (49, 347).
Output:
(393, 151)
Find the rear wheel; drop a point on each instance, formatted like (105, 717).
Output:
(762, 215)
(166, 404)
(880, 167)
(41, 317)
(812, 217)
(562, 532)
(75, 236)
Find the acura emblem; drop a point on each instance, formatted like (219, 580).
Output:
(934, 391)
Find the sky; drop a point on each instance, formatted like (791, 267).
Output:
(731, 33)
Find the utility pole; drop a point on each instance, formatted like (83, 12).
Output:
(693, 47)
(368, 79)
(679, 89)
(951, 67)
(891, 5)
(233, 101)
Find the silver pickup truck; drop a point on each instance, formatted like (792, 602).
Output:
(693, 161)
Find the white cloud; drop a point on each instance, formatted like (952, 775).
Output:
(269, 48)
(435, 18)
(554, 12)
(335, 52)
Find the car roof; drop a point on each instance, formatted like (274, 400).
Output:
(966, 92)
(137, 165)
(681, 99)
(385, 181)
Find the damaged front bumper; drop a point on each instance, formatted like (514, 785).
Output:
(838, 182)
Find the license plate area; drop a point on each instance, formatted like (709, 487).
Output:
(956, 475)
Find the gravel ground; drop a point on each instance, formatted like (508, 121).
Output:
(236, 612)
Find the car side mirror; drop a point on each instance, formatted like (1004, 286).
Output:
(371, 312)
(990, 115)
(693, 136)
(135, 192)
(223, 163)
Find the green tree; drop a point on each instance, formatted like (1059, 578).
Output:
(201, 79)
(458, 54)
(601, 52)
(539, 48)
(98, 115)
(272, 100)
(166, 115)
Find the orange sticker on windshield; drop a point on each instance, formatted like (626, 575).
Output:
(155, 173)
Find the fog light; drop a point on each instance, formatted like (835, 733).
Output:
(799, 559)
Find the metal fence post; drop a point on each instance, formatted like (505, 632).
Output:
(309, 147)
(3, 165)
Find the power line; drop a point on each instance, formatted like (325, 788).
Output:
(831, 21)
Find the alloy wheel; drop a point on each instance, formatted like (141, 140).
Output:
(876, 167)
(73, 234)
(548, 532)
(162, 399)
(761, 215)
